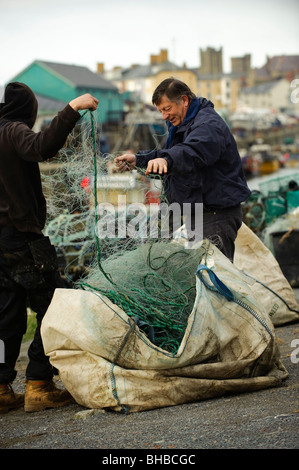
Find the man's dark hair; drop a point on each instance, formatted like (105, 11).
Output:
(173, 89)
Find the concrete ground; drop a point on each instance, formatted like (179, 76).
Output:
(266, 419)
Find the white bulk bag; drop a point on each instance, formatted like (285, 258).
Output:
(106, 361)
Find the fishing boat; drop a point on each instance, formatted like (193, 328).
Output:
(269, 160)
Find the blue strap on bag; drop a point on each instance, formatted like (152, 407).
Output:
(218, 285)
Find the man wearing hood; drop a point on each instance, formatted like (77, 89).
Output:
(200, 164)
(28, 261)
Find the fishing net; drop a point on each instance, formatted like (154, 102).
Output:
(154, 284)
(103, 246)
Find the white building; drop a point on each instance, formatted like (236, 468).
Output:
(274, 96)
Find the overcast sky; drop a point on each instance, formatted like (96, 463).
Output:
(123, 32)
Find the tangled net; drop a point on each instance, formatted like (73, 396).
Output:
(154, 284)
(151, 279)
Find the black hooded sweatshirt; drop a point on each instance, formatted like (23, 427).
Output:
(22, 203)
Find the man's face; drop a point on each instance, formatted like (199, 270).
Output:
(172, 111)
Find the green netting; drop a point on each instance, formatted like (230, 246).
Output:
(292, 200)
(275, 206)
(279, 185)
(274, 201)
(155, 284)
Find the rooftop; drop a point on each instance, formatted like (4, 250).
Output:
(79, 75)
(261, 88)
(140, 71)
(279, 65)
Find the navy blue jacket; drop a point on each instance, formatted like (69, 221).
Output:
(204, 164)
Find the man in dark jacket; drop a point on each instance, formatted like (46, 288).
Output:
(28, 261)
(200, 163)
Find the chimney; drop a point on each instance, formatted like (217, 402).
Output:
(163, 56)
(100, 67)
(160, 58)
(153, 59)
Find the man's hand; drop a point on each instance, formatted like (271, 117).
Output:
(157, 165)
(86, 101)
(125, 162)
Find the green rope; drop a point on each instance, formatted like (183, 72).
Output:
(96, 196)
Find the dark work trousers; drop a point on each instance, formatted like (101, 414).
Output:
(221, 228)
(28, 277)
